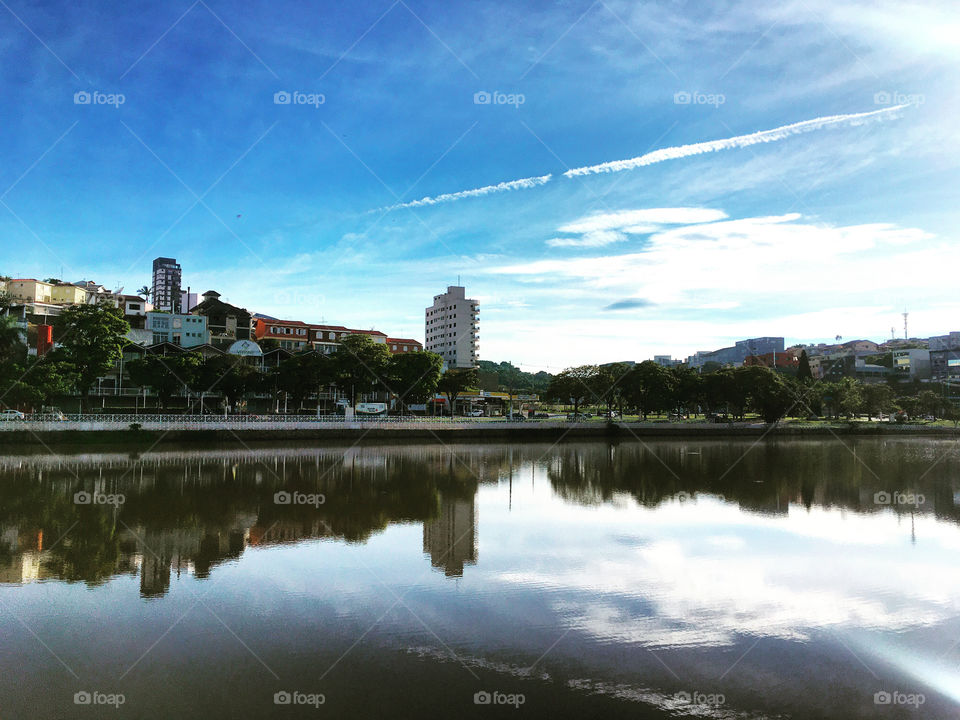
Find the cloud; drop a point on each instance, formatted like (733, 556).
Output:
(645, 220)
(594, 238)
(657, 156)
(521, 184)
(737, 141)
(607, 228)
(628, 304)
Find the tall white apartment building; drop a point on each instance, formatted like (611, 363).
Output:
(452, 327)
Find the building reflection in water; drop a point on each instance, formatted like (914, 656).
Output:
(187, 512)
(451, 538)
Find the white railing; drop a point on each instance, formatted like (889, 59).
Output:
(160, 421)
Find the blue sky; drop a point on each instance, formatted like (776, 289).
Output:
(809, 235)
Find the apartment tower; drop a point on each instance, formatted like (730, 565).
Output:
(166, 285)
(451, 328)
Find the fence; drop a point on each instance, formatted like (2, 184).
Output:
(151, 421)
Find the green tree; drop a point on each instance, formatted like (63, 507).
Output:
(877, 399)
(804, 373)
(240, 379)
(573, 386)
(930, 402)
(609, 384)
(687, 389)
(166, 375)
(720, 390)
(843, 397)
(455, 381)
(414, 377)
(360, 365)
(12, 347)
(649, 388)
(304, 374)
(91, 339)
(770, 393)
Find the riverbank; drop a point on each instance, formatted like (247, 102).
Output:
(62, 434)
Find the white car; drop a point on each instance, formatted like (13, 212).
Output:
(475, 413)
(12, 415)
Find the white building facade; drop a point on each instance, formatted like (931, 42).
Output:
(452, 327)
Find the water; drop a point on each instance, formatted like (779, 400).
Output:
(654, 580)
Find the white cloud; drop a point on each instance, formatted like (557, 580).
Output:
(657, 156)
(594, 238)
(737, 141)
(521, 184)
(607, 228)
(644, 220)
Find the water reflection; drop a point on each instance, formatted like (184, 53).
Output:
(599, 579)
(190, 511)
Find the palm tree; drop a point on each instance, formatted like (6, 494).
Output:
(145, 292)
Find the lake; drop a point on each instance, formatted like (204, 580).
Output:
(663, 579)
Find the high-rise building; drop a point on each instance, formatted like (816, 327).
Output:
(166, 284)
(451, 538)
(452, 328)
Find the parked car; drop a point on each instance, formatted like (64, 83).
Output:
(515, 416)
(475, 413)
(542, 416)
(12, 415)
(577, 416)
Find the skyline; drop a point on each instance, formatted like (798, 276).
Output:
(279, 207)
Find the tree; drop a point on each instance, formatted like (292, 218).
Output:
(770, 394)
(91, 339)
(12, 347)
(145, 292)
(609, 384)
(687, 389)
(877, 399)
(239, 379)
(454, 381)
(360, 365)
(415, 376)
(719, 390)
(165, 375)
(843, 397)
(304, 374)
(649, 387)
(573, 385)
(930, 402)
(804, 373)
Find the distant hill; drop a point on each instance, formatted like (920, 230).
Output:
(505, 376)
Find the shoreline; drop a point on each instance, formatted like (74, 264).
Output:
(511, 433)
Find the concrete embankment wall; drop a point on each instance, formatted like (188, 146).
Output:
(512, 433)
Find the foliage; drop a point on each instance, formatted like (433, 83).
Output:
(360, 365)
(304, 374)
(90, 338)
(804, 373)
(454, 381)
(414, 377)
(164, 374)
(573, 385)
(507, 377)
(649, 387)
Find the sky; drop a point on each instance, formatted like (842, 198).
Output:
(609, 180)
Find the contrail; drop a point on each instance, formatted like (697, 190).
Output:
(738, 141)
(658, 156)
(521, 184)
